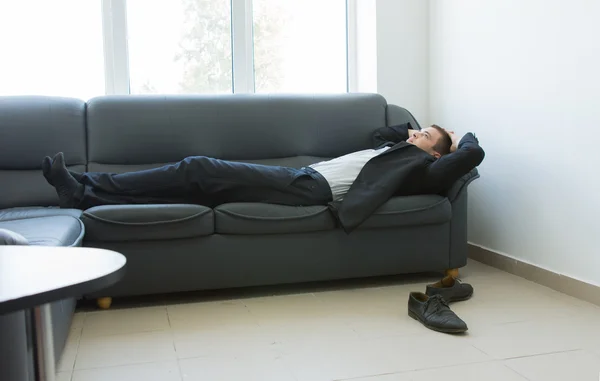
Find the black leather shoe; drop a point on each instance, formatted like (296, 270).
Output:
(433, 312)
(451, 289)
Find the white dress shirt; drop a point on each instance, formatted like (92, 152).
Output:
(341, 172)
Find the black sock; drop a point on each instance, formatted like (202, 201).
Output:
(46, 167)
(68, 189)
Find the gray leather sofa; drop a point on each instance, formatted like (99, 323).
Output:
(30, 127)
(172, 248)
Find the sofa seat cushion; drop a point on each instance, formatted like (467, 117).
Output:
(9, 237)
(260, 218)
(147, 222)
(410, 211)
(48, 231)
(37, 211)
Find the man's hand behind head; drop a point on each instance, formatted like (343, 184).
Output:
(455, 140)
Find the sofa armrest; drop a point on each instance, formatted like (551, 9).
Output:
(458, 196)
(8, 237)
(396, 115)
(461, 184)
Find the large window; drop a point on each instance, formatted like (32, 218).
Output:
(179, 46)
(85, 48)
(300, 46)
(51, 48)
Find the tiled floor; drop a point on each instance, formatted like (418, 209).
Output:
(518, 330)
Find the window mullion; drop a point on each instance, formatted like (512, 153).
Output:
(116, 57)
(242, 45)
(351, 46)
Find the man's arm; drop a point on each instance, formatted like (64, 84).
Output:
(393, 134)
(449, 168)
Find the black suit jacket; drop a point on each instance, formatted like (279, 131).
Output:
(403, 170)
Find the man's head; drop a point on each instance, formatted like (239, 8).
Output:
(433, 140)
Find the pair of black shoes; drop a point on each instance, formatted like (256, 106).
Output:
(432, 310)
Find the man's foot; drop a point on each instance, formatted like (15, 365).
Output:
(433, 312)
(451, 290)
(46, 168)
(67, 187)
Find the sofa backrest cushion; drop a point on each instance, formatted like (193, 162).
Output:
(32, 127)
(137, 130)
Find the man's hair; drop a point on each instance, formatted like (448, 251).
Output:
(444, 143)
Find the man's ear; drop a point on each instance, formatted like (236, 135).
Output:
(436, 154)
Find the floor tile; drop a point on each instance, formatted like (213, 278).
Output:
(575, 365)
(256, 367)
(383, 377)
(123, 321)
(585, 328)
(206, 316)
(371, 313)
(362, 358)
(66, 361)
(294, 322)
(355, 300)
(78, 321)
(385, 323)
(504, 298)
(485, 275)
(535, 337)
(63, 376)
(220, 341)
(157, 371)
(489, 371)
(585, 308)
(287, 310)
(336, 363)
(417, 351)
(498, 284)
(113, 350)
(292, 340)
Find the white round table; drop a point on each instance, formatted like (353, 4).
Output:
(31, 277)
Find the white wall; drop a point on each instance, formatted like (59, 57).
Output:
(525, 76)
(403, 54)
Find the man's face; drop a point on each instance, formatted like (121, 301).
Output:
(426, 139)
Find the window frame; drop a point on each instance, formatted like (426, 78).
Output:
(116, 52)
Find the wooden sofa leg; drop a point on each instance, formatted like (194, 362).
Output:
(452, 273)
(104, 303)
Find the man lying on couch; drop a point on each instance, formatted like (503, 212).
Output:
(402, 162)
